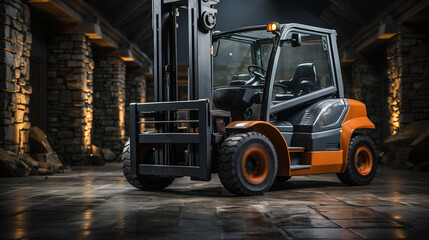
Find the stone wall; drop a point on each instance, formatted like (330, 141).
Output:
(363, 81)
(15, 44)
(135, 92)
(150, 88)
(369, 79)
(109, 103)
(69, 100)
(408, 74)
(401, 83)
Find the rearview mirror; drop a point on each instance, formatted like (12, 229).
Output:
(295, 40)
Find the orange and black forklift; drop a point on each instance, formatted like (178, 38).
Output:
(264, 104)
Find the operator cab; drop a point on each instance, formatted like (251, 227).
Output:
(240, 63)
(293, 65)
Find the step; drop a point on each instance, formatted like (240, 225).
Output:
(296, 149)
(298, 167)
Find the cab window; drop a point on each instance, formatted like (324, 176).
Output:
(302, 70)
(232, 59)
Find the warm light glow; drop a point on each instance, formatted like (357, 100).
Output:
(19, 233)
(88, 117)
(271, 27)
(22, 137)
(93, 36)
(39, 1)
(127, 59)
(399, 234)
(143, 100)
(122, 118)
(394, 89)
(87, 217)
(230, 54)
(121, 112)
(20, 220)
(387, 35)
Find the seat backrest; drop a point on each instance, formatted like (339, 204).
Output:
(304, 72)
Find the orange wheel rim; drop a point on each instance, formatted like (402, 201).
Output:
(364, 160)
(255, 165)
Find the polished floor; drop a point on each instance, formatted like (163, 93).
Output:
(97, 203)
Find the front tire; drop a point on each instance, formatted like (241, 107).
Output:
(247, 164)
(361, 162)
(142, 182)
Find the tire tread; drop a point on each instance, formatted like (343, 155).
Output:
(227, 173)
(141, 182)
(351, 176)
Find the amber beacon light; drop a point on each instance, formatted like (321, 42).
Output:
(271, 27)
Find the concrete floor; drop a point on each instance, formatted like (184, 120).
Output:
(97, 203)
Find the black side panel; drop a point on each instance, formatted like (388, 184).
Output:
(328, 140)
(286, 128)
(323, 115)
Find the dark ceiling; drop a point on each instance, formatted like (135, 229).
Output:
(133, 17)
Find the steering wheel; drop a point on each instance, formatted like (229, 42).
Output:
(255, 70)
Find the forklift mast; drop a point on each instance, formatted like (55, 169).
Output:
(181, 131)
(201, 22)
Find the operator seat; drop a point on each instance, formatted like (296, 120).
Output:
(304, 80)
(305, 74)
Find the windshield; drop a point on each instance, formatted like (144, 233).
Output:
(240, 62)
(234, 53)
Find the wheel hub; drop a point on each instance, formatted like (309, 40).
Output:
(363, 160)
(255, 165)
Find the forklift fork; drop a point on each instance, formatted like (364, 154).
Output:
(200, 165)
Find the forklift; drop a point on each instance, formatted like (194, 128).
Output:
(263, 104)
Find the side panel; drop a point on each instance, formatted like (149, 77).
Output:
(356, 119)
(271, 133)
(321, 162)
(320, 116)
(329, 140)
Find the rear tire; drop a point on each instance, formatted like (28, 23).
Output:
(247, 164)
(143, 182)
(362, 162)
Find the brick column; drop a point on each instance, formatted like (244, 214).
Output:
(363, 81)
(368, 79)
(135, 92)
(408, 74)
(109, 103)
(69, 108)
(15, 44)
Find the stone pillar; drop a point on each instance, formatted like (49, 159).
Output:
(15, 44)
(135, 92)
(408, 74)
(109, 103)
(369, 81)
(363, 81)
(69, 108)
(150, 88)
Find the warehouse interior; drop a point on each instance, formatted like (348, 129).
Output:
(69, 70)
